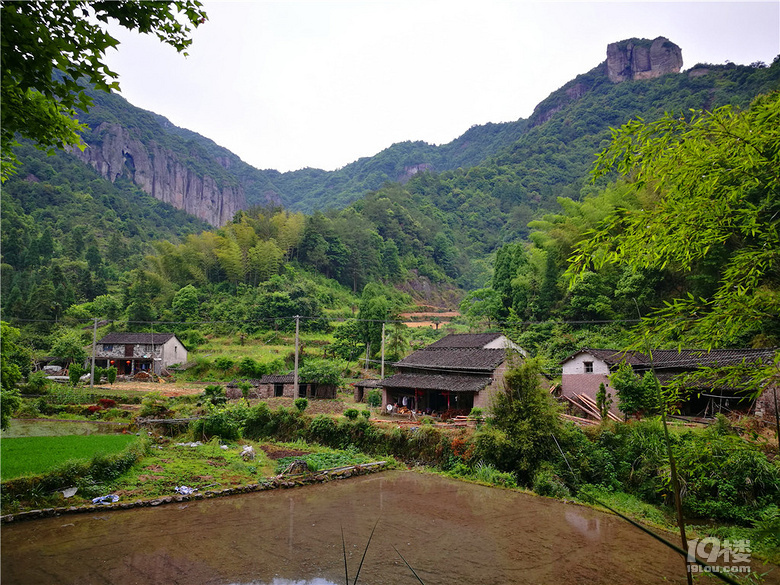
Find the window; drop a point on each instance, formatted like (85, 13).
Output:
(278, 389)
(108, 347)
(588, 367)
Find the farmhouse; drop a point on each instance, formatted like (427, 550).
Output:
(136, 352)
(456, 373)
(586, 369)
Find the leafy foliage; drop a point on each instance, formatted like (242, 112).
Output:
(716, 202)
(69, 40)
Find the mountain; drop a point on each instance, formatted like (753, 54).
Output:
(540, 158)
(191, 172)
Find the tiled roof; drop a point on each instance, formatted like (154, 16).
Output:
(683, 359)
(451, 382)
(278, 379)
(146, 338)
(698, 358)
(454, 359)
(367, 383)
(465, 340)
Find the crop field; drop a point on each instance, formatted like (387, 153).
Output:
(32, 455)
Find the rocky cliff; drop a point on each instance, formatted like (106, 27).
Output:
(162, 174)
(642, 59)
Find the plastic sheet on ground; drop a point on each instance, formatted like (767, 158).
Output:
(109, 499)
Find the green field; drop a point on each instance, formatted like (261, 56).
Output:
(32, 455)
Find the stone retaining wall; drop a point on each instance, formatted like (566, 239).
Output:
(270, 484)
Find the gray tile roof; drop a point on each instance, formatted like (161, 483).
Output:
(278, 379)
(451, 382)
(684, 359)
(454, 359)
(146, 338)
(465, 340)
(368, 383)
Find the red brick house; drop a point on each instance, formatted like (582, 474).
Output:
(457, 372)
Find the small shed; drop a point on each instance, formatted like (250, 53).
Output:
(362, 386)
(281, 385)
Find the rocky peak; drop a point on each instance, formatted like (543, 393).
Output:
(634, 59)
(162, 174)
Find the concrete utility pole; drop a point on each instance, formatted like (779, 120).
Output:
(295, 374)
(382, 375)
(92, 369)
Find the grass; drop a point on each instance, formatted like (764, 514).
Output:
(33, 455)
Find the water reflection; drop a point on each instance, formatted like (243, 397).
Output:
(448, 531)
(279, 581)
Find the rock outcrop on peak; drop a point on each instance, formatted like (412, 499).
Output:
(160, 173)
(634, 59)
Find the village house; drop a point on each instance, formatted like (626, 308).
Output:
(585, 370)
(457, 373)
(281, 385)
(139, 352)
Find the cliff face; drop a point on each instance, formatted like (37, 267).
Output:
(641, 59)
(161, 174)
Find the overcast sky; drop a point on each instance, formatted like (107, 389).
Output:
(292, 84)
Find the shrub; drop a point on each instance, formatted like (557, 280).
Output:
(250, 368)
(366, 414)
(245, 387)
(75, 372)
(219, 422)
(323, 430)
(374, 398)
(223, 363)
(37, 384)
(111, 374)
(259, 422)
(107, 403)
(351, 413)
(548, 483)
(154, 405)
(215, 394)
(476, 412)
(301, 404)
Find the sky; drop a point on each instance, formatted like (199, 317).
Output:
(293, 84)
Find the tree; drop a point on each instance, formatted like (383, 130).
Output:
(11, 354)
(484, 303)
(51, 50)
(69, 347)
(713, 195)
(629, 389)
(603, 400)
(185, 303)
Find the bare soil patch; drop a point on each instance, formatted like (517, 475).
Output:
(275, 453)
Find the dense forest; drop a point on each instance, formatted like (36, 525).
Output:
(501, 232)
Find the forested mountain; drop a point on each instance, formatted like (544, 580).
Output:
(77, 245)
(120, 136)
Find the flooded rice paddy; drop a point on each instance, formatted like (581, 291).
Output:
(448, 531)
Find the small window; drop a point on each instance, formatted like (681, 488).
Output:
(108, 347)
(588, 367)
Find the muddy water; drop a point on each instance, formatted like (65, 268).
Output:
(448, 531)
